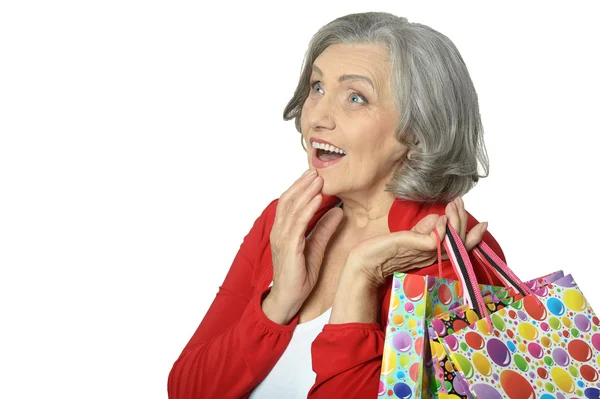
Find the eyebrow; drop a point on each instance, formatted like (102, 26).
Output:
(348, 77)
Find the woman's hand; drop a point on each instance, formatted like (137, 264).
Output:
(297, 260)
(379, 257)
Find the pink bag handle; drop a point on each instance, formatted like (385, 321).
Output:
(485, 265)
(487, 258)
(461, 263)
(464, 269)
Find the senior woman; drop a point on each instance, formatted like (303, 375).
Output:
(391, 123)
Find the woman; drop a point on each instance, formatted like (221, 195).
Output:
(390, 117)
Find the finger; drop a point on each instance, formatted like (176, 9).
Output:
(291, 195)
(440, 226)
(321, 234)
(303, 181)
(421, 237)
(442, 236)
(462, 214)
(297, 212)
(305, 196)
(475, 236)
(452, 214)
(426, 225)
(428, 243)
(297, 222)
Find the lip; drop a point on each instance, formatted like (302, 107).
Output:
(317, 163)
(315, 140)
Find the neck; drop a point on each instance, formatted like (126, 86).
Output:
(366, 214)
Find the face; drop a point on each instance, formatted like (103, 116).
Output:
(354, 116)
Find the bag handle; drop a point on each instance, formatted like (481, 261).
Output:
(486, 256)
(483, 252)
(488, 259)
(485, 265)
(461, 262)
(463, 269)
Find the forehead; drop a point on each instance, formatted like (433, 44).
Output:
(370, 60)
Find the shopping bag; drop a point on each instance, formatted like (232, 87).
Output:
(545, 344)
(533, 351)
(497, 300)
(447, 381)
(443, 374)
(445, 324)
(406, 365)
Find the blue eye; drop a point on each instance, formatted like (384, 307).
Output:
(359, 96)
(354, 94)
(312, 84)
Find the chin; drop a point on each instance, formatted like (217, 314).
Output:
(327, 189)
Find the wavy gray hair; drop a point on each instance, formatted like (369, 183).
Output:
(435, 97)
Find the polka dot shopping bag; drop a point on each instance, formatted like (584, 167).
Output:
(408, 367)
(543, 342)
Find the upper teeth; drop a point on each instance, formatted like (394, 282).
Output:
(328, 147)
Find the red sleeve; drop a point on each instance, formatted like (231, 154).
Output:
(347, 360)
(347, 357)
(235, 345)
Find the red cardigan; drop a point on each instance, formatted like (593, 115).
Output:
(236, 345)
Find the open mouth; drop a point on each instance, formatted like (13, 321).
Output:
(326, 156)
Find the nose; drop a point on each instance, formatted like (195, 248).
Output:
(322, 114)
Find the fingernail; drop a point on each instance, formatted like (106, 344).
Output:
(485, 225)
(306, 172)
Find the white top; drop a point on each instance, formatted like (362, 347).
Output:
(293, 376)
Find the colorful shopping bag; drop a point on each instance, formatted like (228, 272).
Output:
(447, 381)
(444, 380)
(406, 365)
(544, 345)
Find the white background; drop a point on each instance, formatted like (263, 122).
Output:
(140, 141)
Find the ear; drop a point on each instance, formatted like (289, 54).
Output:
(412, 138)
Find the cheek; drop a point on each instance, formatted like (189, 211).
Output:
(375, 153)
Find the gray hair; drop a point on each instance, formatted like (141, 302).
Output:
(435, 97)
